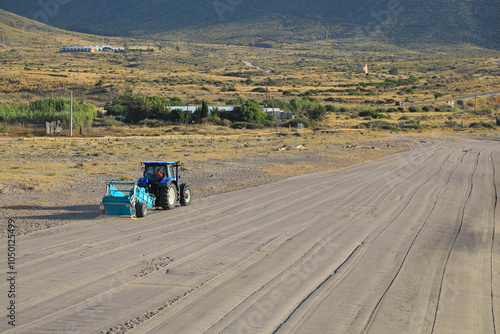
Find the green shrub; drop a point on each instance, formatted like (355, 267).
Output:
(413, 125)
(482, 124)
(305, 122)
(259, 89)
(212, 119)
(330, 108)
(371, 113)
(377, 125)
(111, 122)
(152, 123)
(247, 125)
(483, 112)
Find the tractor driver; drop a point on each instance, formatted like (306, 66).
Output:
(154, 173)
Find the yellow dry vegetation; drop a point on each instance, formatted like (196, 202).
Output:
(40, 163)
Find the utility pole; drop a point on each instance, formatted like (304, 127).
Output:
(475, 101)
(270, 100)
(187, 111)
(267, 92)
(71, 115)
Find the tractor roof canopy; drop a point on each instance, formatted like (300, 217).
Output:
(159, 162)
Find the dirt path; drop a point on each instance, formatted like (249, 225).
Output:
(405, 244)
(256, 67)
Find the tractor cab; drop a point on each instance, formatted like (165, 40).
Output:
(155, 173)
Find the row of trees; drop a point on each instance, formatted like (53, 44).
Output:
(48, 110)
(135, 108)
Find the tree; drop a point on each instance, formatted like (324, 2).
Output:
(249, 111)
(176, 101)
(201, 112)
(135, 107)
(48, 110)
(160, 110)
(204, 109)
(317, 113)
(178, 115)
(300, 106)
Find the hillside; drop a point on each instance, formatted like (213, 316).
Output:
(33, 67)
(399, 22)
(19, 34)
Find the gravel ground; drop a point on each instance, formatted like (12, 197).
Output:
(37, 208)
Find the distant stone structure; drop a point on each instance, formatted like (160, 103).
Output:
(363, 68)
(53, 127)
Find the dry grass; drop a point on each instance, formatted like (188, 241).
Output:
(205, 71)
(45, 163)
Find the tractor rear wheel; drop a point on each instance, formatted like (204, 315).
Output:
(168, 197)
(141, 209)
(185, 194)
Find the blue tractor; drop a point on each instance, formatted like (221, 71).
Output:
(162, 180)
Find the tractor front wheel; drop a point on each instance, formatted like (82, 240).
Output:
(185, 194)
(168, 197)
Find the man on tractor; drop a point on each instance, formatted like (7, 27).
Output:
(161, 179)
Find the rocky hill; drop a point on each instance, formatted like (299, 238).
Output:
(400, 22)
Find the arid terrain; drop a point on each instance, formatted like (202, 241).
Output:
(370, 207)
(47, 182)
(361, 233)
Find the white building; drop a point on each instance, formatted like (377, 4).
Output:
(278, 113)
(192, 109)
(77, 49)
(90, 48)
(106, 48)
